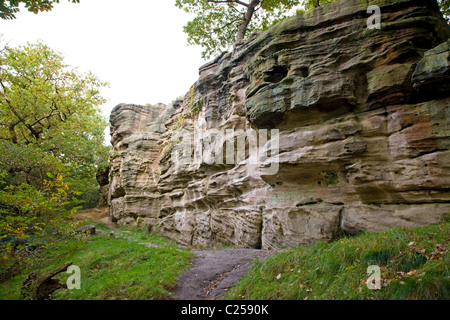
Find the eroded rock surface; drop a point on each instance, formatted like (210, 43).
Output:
(364, 139)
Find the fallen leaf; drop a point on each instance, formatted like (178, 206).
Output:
(350, 268)
(411, 273)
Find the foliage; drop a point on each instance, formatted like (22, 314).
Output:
(32, 217)
(8, 8)
(180, 122)
(51, 141)
(218, 23)
(29, 211)
(43, 100)
(414, 264)
(139, 272)
(311, 4)
(445, 8)
(195, 102)
(49, 118)
(444, 5)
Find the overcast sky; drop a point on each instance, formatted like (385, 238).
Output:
(138, 46)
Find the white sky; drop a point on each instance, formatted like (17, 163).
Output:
(138, 46)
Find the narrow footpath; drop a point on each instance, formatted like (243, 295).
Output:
(214, 272)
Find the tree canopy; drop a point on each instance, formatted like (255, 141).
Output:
(46, 104)
(218, 24)
(445, 8)
(51, 138)
(8, 8)
(221, 23)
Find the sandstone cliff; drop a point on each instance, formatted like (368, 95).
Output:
(364, 134)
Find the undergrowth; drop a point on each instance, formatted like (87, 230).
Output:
(123, 264)
(414, 264)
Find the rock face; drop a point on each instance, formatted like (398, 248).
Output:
(363, 144)
(103, 181)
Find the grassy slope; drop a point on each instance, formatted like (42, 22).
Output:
(116, 267)
(414, 265)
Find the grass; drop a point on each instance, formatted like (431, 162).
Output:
(414, 264)
(112, 267)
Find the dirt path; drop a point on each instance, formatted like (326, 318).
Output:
(97, 214)
(214, 272)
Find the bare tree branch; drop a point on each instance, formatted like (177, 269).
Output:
(35, 133)
(230, 1)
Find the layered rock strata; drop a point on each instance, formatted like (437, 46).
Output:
(364, 134)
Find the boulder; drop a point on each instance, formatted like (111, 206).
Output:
(89, 230)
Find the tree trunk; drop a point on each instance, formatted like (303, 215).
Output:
(41, 287)
(247, 18)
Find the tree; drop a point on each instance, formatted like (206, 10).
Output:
(221, 23)
(445, 8)
(8, 8)
(48, 107)
(51, 139)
